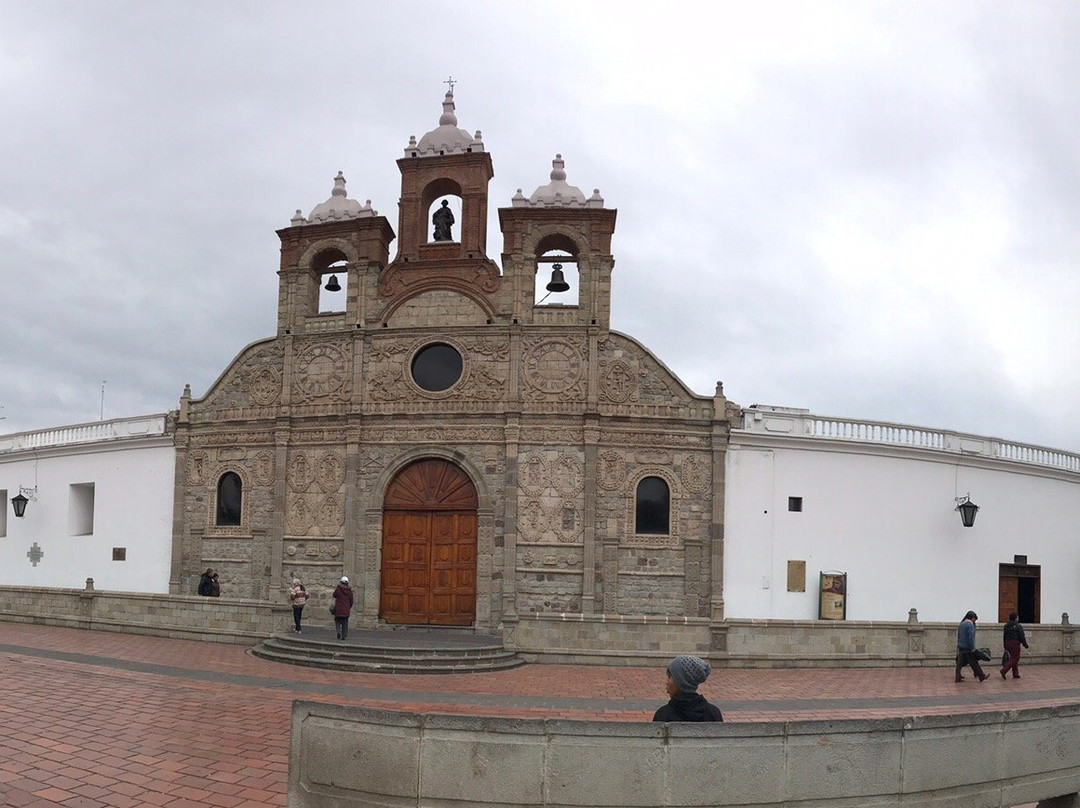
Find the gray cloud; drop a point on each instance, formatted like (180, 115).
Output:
(864, 209)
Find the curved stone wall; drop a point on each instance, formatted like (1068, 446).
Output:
(348, 756)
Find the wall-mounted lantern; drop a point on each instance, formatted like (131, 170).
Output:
(967, 509)
(18, 502)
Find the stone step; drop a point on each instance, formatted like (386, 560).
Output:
(398, 652)
(416, 656)
(390, 664)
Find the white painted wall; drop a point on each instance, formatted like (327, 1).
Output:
(133, 497)
(885, 516)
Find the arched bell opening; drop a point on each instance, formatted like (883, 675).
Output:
(331, 276)
(557, 280)
(444, 211)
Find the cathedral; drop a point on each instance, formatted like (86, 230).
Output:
(470, 443)
(465, 451)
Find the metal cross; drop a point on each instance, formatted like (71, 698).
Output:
(451, 82)
(34, 554)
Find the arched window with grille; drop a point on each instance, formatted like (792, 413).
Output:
(230, 499)
(653, 507)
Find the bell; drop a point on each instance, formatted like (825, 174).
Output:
(332, 285)
(558, 282)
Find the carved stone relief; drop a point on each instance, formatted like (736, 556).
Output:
(198, 462)
(322, 374)
(330, 472)
(262, 467)
(553, 368)
(434, 434)
(387, 372)
(258, 369)
(695, 473)
(611, 470)
(301, 517)
(321, 511)
(619, 382)
(301, 472)
(551, 498)
(247, 439)
(265, 386)
(331, 515)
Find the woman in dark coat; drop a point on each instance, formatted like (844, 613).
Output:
(684, 674)
(343, 603)
(205, 585)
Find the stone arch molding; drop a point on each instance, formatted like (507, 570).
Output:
(246, 482)
(307, 258)
(395, 466)
(677, 494)
(547, 237)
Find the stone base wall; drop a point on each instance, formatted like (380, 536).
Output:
(233, 620)
(566, 639)
(348, 756)
(649, 640)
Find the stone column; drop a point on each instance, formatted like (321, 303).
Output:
(588, 582)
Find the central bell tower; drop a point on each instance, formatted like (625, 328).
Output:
(446, 162)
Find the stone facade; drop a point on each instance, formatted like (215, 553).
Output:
(555, 419)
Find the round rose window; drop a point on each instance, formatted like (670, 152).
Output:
(436, 367)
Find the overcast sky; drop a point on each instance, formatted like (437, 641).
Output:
(866, 209)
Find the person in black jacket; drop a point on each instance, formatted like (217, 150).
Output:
(1013, 639)
(205, 584)
(684, 674)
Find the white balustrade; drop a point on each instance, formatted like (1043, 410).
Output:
(145, 426)
(800, 424)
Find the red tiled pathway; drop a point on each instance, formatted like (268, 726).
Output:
(93, 719)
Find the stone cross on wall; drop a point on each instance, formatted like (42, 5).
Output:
(34, 554)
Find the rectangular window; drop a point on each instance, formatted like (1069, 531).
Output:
(119, 554)
(3, 514)
(81, 509)
(794, 504)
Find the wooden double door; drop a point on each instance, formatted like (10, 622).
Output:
(429, 546)
(1019, 591)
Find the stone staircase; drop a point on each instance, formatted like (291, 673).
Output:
(399, 651)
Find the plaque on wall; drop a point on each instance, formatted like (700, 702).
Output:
(796, 576)
(832, 596)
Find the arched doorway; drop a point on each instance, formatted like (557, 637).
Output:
(429, 546)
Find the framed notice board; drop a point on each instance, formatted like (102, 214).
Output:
(832, 596)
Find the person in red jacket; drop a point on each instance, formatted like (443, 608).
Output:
(343, 603)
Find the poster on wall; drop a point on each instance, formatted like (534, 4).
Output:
(832, 596)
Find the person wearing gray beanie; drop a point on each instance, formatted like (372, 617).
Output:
(684, 674)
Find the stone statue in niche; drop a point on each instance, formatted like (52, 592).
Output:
(443, 218)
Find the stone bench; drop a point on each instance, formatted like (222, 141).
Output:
(348, 756)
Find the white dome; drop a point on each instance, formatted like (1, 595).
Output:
(558, 192)
(447, 138)
(337, 207)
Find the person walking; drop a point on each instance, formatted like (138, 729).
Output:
(684, 674)
(965, 648)
(343, 603)
(297, 597)
(1013, 636)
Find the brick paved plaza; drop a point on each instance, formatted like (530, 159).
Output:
(97, 719)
